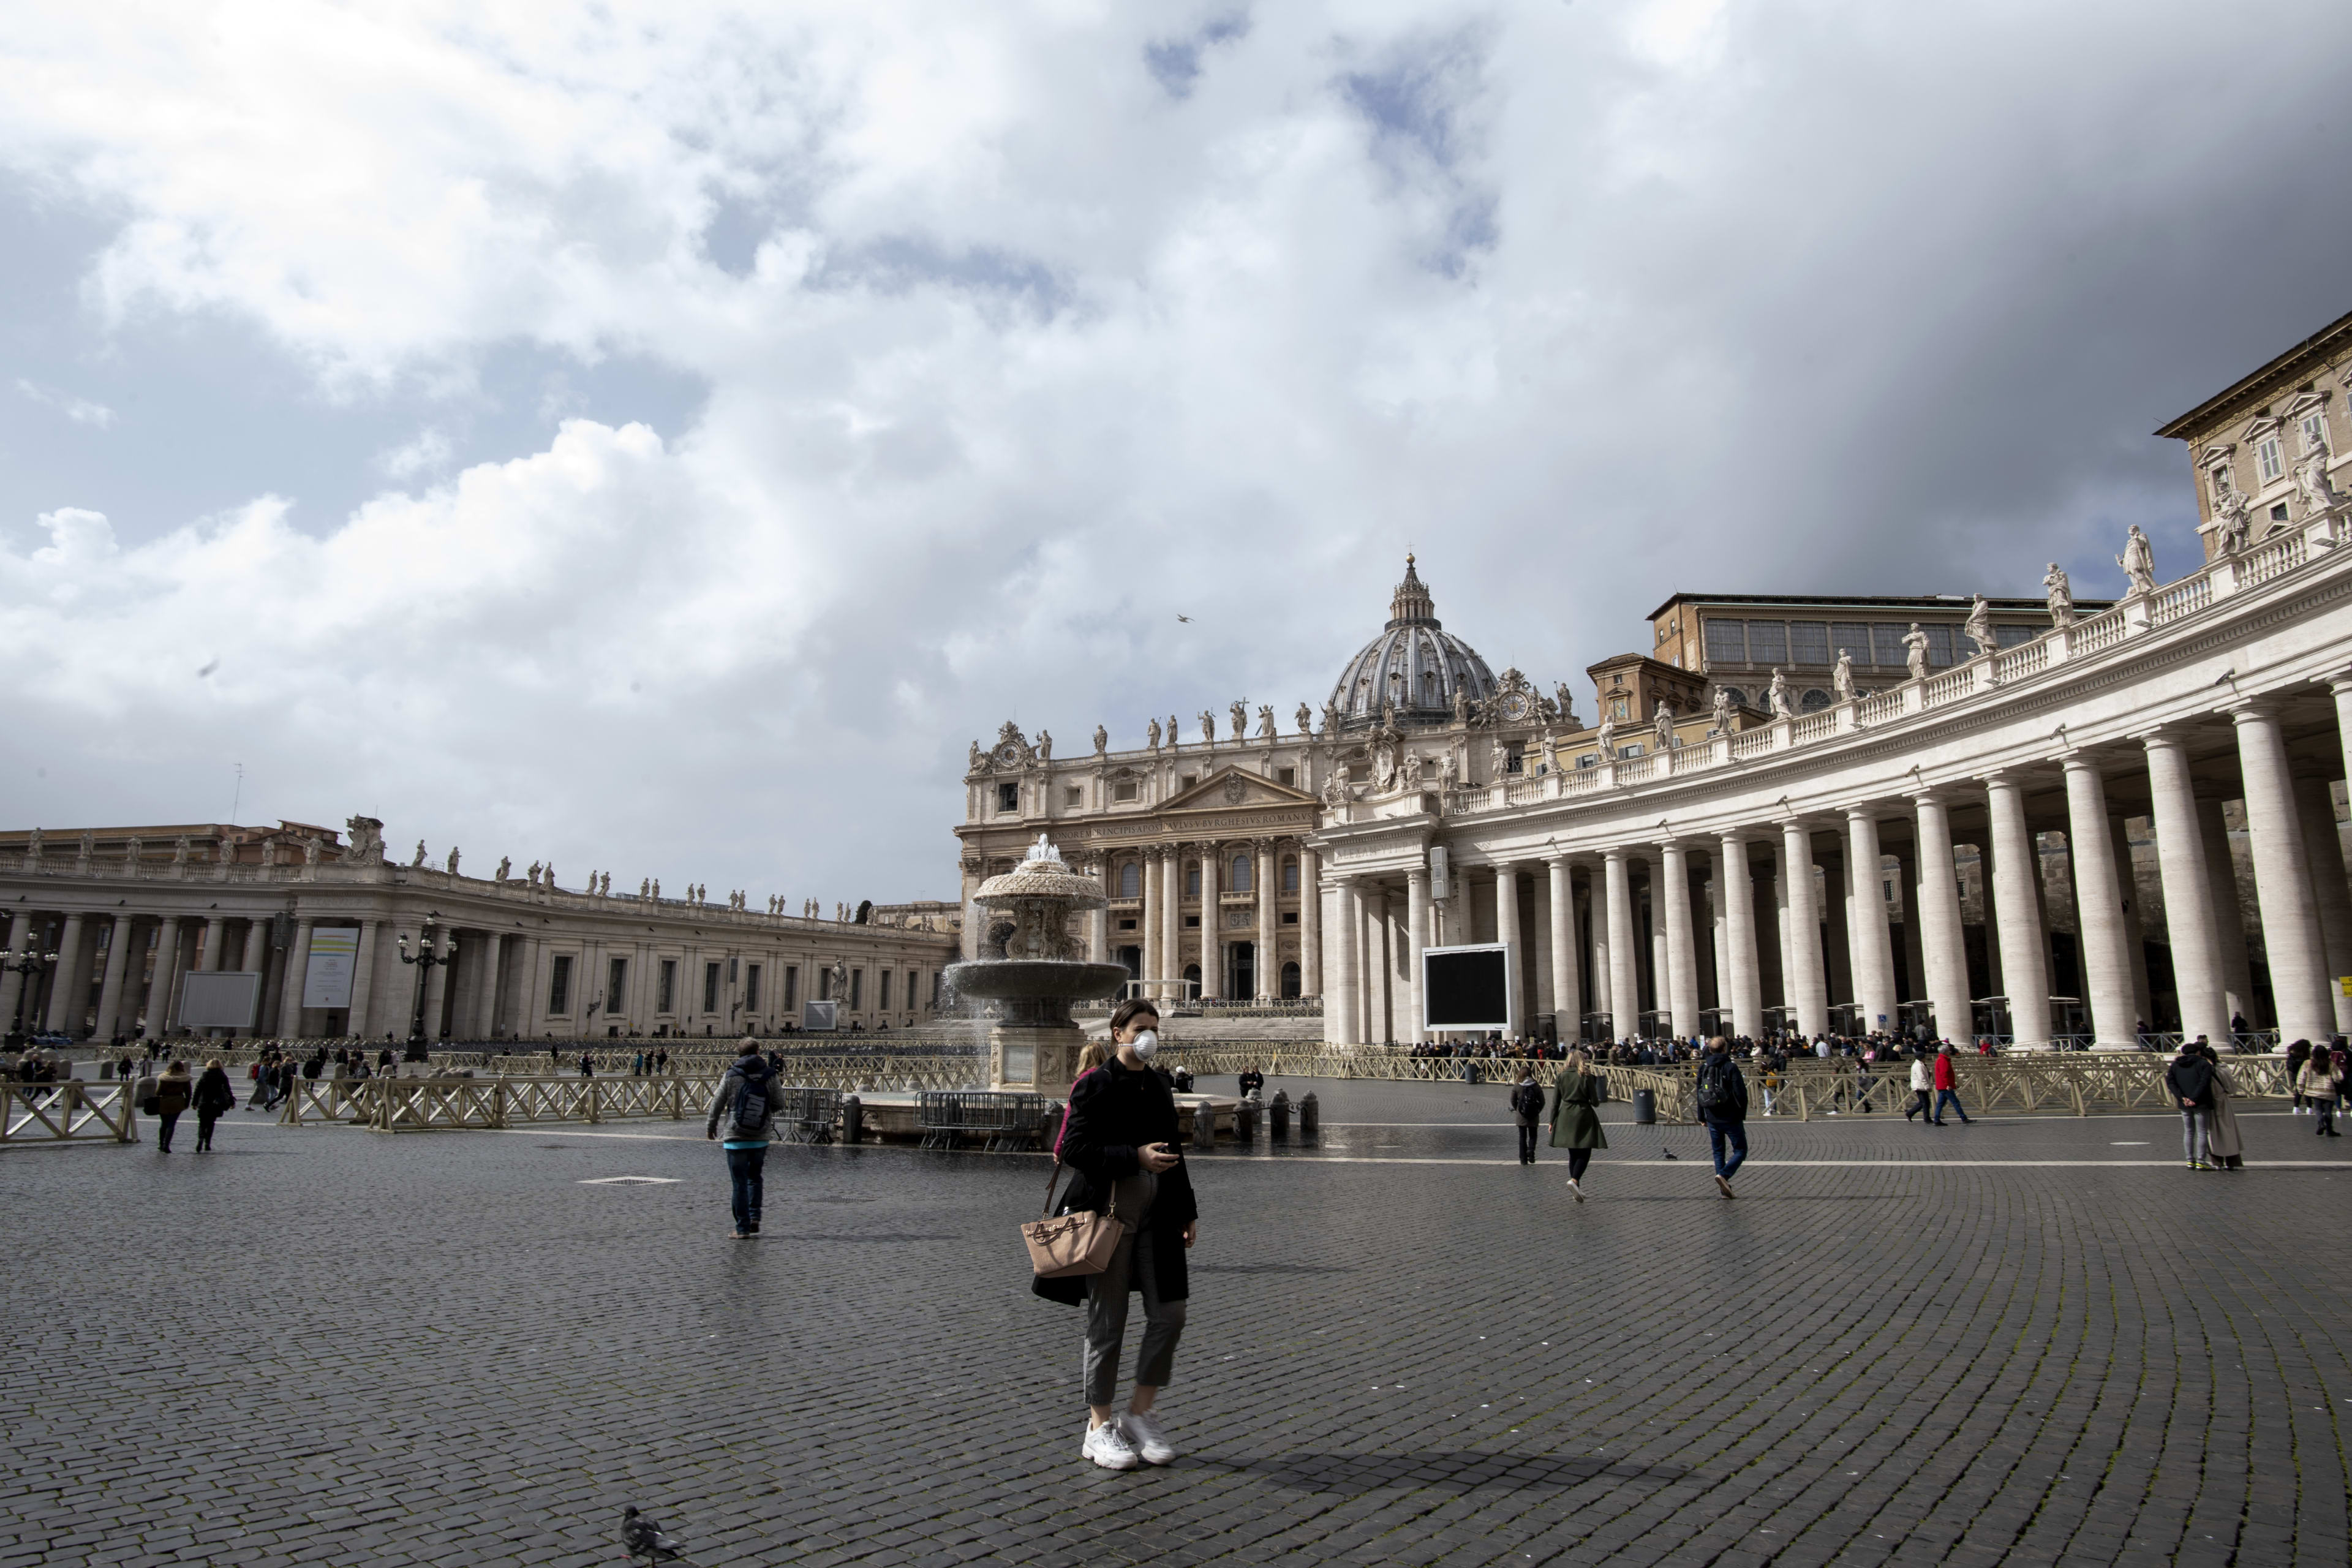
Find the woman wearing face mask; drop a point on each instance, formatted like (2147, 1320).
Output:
(1121, 1139)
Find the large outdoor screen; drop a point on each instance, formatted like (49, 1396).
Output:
(1466, 987)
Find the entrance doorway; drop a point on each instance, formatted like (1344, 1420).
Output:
(1133, 958)
(1241, 966)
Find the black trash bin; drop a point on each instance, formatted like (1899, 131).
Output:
(1645, 1107)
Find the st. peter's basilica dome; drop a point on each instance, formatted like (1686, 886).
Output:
(1415, 664)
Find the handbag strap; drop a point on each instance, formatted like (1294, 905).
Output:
(1053, 1180)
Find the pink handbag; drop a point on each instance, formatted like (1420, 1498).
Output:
(1080, 1243)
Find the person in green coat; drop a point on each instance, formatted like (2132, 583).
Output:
(1576, 1096)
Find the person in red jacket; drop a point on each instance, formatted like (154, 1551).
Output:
(1948, 1086)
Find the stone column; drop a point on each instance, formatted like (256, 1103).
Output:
(2188, 915)
(2099, 909)
(1506, 931)
(160, 985)
(1567, 1006)
(1269, 922)
(1339, 995)
(1310, 922)
(1872, 943)
(2315, 803)
(1624, 989)
(118, 963)
(437, 986)
(67, 991)
(1596, 910)
(298, 961)
(1213, 924)
(359, 1019)
(1912, 985)
(2024, 950)
(1147, 924)
(2229, 912)
(1806, 978)
(2135, 927)
(1172, 922)
(1416, 882)
(1097, 924)
(256, 949)
(12, 983)
(1784, 957)
(1745, 985)
(2298, 963)
(490, 949)
(1841, 889)
(1681, 957)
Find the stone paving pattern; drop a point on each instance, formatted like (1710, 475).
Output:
(321, 1345)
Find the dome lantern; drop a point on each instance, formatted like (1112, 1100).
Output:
(1414, 666)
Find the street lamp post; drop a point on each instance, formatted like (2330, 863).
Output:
(424, 958)
(29, 963)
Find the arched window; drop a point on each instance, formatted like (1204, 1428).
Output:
(1192, 879)
(1290, 980)
(1814, 702)
(1241, 873)
(1290, 876)
(1739, 698)
(1131, 880)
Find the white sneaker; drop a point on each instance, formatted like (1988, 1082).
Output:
(1107, 1446)
(1149, 1440)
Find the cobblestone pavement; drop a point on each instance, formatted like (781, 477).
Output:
(2029, 1342)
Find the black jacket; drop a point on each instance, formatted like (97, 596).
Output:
(1722, 1074)
(2191, 1079)
(1114, 1111)
(213, 1094)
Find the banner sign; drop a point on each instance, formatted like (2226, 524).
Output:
(335, 954)
(221, 999)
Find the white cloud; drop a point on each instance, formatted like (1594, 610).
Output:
(1023, 329)
(80, 410)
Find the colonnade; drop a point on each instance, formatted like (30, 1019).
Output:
(1167, 946)
(1779, 921)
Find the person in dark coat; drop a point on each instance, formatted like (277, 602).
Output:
(2190, 1082)
(1527, 1110)
(1723, 1108)
(1576, 1096)
(213, 1095)
(170, 1100)
(1251, 1081)
(1121, 1139)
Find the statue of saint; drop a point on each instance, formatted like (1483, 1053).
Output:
(1915, 652)
(453, 859)
(1306, 717)
(1778, 693)
(506, 864)
(1413, 770)
(1607, 739)
(2311, 482)
(532, 877)
(33, 846)
(2061, 596)
(1449, 769)
(1335, 791)
(974, 766)
(1665, 726)
(1331, 717)
(1208, 725)
(1154, 733)
(1461, 706)
(1721, 715)
(2138, 562)
(418, 858)
(1102, 741)
(1266, 722)
(1567, 704)
(311, 852)
(1550, 751)
(657, 890)
(1171, 730)
(1841, 677)
(1240, 712)
(1384, 764)
(1978, 628)
(2231, 523)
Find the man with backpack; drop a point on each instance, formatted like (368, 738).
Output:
(1526, 1105)
(1723, 1109)
(746, 1100)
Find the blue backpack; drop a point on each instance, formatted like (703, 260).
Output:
(751, 1097)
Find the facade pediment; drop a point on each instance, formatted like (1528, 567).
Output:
(1229, 788)
(2304, 403)
(2260, 425)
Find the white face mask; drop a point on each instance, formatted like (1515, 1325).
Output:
(1146, 1043)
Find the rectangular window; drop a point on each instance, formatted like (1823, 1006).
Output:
(1124, 789)
(1940, 644)
(1008, 797)
(616, 984)
(2315, 430)
(791, 986)
(1290, 917)
(882, 990)
(825, 983)
(559, 986)
(1886, 645)
(751, 988)
(1074, 796)
(1854, 636)
(1186, 781)
(1726, 641)
(2010, 636)
(1767, 642)
(935, 990)
(914, 987)
(1809, 642)
(856, 989)
(1190, 921)
(667, 1001)
(2220, 482)
(2267, 461)
(711, 987)
(1286, 776)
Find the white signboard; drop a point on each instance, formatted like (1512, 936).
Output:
(819, 1014)
(334, 952)
(221, 999)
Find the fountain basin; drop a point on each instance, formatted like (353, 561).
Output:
(1004, 978)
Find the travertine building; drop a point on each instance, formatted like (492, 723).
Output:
(2269, 450)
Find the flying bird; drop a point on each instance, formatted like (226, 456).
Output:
(1185, 618)
(644, 1538)
(208, 668)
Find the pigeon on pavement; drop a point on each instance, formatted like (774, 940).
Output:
(644, 1538)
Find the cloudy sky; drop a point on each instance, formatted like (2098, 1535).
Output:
(660, 437)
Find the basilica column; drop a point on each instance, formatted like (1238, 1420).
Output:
(297, 962)
(1310, 922)
(1567, 1009)
(1269, 923)
(159, 984)
(1744, 993)
(1935, 901)
(1338, 998)
(1148, 920)
(1807, 980)
(118, 963)
(2291, 936)
(1682, 960)
(1097, 921)
(64, 1012)
(2229, 911)
(2189, 913)
(1416, 881)
(2135, 927)
(2024, 948)
(1171, 922)
(490, 949)
(1506, 931)
(1212, 924)
(12, 983)
(1871, 943)
(1624, 989)
(2314, 804)
(2099, 909)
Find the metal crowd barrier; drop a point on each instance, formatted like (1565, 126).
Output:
(1007, 1121)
